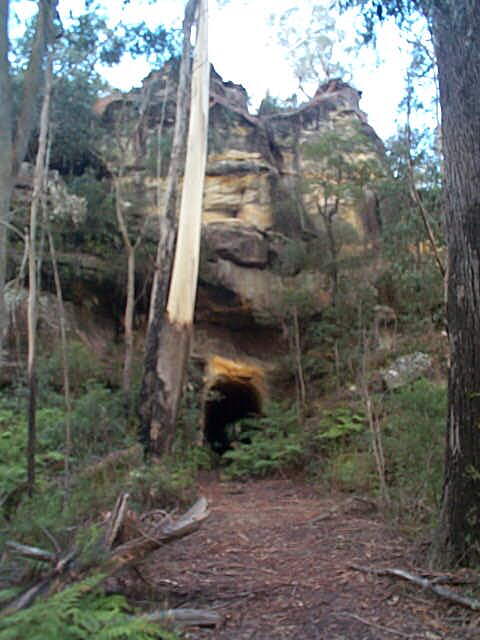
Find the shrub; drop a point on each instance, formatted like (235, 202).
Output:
(414, 441)
(99, 424)
(341, 438)
(268, 444)
(412, 431)
(82, 363)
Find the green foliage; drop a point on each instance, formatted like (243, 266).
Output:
(339, 424)
(97, 233)
(89, 40)
(98, 426)
(412, 283)
(167, 484)
(151, 162)
(13, 438)
(268, 444)
(413, 434)
(292, 258)
(332, 342)
(98, 422)
(414, 442)
(79, 612)
(345, 172)
(352, 471)
(339, 449)
(271, 105)
(82, 363)
(375, 11)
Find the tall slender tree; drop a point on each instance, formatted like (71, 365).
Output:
(15, 132)
(455, 25)
(38, 193)
(172, 309)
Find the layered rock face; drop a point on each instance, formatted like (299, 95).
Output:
(288, 192)
(268, 204)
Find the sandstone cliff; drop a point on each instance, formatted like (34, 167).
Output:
(281, 205)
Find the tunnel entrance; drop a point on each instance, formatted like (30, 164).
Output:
(228, 402)
(233, 390)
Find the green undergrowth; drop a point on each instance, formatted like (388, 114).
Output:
(334, 448)
(71, 508)
(412, 431)
(267, 444)
(80, 612)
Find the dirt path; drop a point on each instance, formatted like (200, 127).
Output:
(274, 559)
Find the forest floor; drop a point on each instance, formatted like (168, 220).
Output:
(276, 559)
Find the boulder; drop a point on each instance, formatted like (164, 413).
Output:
(406, 369)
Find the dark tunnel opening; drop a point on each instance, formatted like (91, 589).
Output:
(229, 401)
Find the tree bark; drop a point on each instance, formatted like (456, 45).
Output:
(152, 386)
(38, 187)
(130, 303)
(176, 326)
(65, 366)
(455, 27)
(6, 154)
(14, 140)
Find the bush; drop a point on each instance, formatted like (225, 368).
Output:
(268, 444)
(339, 443)
(414, 444)
(99, 424)
(413, 434)
(82, 363)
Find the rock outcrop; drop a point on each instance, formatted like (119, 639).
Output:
(264, 225)
(270, 210)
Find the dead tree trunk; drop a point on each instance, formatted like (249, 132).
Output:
(152, 384)
(176, 324)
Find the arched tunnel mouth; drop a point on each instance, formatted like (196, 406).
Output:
(228, 401)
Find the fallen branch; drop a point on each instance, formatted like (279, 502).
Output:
(135, 550)
(186, 617)
(116, 520)
(442, 592)
(324, 516)
(29, 596)
(33, 553)
(120, 557)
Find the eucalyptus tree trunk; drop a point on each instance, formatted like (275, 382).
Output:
(14, 136)
(151, 384)
(455, 27)
(130, 250)
(38, 190)
(6, 153)
(174, 326)
(65, 366)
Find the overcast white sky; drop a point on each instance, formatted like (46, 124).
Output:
(244, 49)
